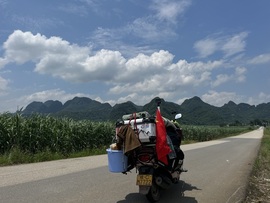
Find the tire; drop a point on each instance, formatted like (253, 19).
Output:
(154, 193)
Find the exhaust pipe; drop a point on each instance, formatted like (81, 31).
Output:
(163, 182)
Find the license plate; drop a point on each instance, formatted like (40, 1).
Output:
(143, 179)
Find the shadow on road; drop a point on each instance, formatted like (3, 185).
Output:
(176, 193)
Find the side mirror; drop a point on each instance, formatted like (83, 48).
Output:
(177, 116)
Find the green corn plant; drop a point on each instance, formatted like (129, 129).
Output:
(47, 134)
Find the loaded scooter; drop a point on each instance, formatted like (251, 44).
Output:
(151, 145)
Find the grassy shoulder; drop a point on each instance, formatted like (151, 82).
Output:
(259, 182)
(15, 156)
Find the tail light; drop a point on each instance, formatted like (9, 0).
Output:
(144, 157)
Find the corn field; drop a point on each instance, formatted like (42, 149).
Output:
(63, 135)
(206, 133)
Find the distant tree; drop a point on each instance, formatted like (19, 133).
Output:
(256, 122)
(237, 123)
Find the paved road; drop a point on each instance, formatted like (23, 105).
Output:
(218, 171)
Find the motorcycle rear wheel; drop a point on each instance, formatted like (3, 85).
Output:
(154, 193)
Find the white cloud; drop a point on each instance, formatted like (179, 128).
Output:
(143, 30)
(229, 45)
(259, 99)
(238, 76)
(53, 94)
(3, 85)
(169, 10)
(220, 98)
(150, 30)
(206, 47)
(16, 103)
(3, 62)
(70, 62)
(220, 79)
(144, 66)
(235, 44)
(111, 38)
(145, 74)
(21, 47)
(157, 27)
(261, 59)
(59, 58)
(169, 79)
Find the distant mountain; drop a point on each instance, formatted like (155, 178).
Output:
(78, 108)
(122, 109)
(43, 108)
(198, 112)
(53, 106)
(194, 110)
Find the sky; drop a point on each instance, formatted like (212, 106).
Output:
(134, 50)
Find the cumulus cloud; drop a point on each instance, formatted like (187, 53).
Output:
(21, 47)
(154, 74)
(220, 79)
(228, 45)
(145, 66)
(171, 78)
(259, 99)
(59, 58)
(220, 98)
(237, 76)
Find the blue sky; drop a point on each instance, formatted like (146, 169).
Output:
(134, 50)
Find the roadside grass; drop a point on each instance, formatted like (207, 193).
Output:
(259, 182)
(16, 156)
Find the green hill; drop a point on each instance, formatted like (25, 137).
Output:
(194, 111)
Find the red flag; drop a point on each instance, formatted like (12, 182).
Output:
(162, 147)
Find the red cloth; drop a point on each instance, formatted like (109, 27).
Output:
(162, 147)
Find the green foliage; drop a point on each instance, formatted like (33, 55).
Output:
(264, 154)
(42, 138)
(206, 133)
(58, 135)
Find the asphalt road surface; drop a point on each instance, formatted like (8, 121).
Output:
(218, 172)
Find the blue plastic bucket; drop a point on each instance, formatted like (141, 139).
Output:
(117, 161)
